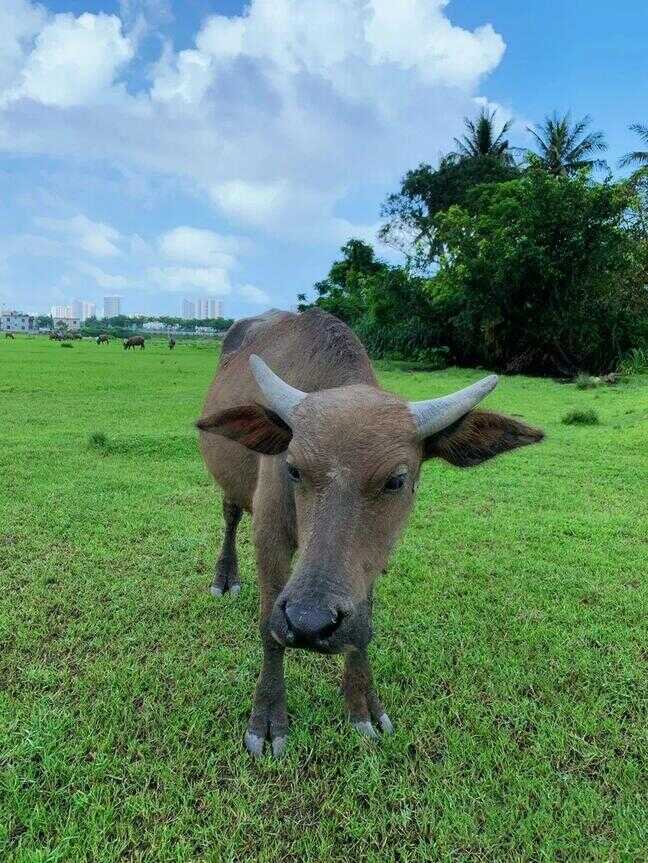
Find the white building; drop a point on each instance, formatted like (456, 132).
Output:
(188, 309)
(214, 308)
(207, 308)
(112, 307)
(17, 322)
(77, 310)
(154, 326)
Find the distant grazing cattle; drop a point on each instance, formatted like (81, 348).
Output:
(56, 337)
(297, 430)
(8, 335)
(134, 342)
(103, 338)
(75, 336)
(172, 344)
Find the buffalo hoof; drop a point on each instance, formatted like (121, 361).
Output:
(267, 722)
(365, 727)
(217, 591)
(254, 745)
(226, 580)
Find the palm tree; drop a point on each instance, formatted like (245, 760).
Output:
(564, 148)
(639, 157)
(483, 139)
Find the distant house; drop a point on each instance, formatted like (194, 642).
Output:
(17, 322)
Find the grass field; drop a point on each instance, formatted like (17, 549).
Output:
(511, 648)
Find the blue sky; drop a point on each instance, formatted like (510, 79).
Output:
(159, 149)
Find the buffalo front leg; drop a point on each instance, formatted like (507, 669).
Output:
(269, 718)
(226, 576)
(362, 704)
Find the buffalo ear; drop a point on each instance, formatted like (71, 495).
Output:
(478, 436)
(253, 426)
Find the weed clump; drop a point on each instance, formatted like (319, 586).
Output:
(581, 418)
(99, 441)
(584, 382)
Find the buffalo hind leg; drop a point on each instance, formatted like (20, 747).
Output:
(226, 576)
(362, 704)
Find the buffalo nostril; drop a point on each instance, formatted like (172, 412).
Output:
(310, 623)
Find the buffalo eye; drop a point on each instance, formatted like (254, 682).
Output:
(395, 482)
(293, 472)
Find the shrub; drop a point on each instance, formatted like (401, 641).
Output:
(524, 301)
(67, 345)
(635, 362)
(581, 418)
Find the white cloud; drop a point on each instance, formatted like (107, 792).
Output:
(95, 238)
(178, 279)
(31, 245)
(417, 34)
(20, 21)
(185, 76)
(254, 295)
(74, 61)
(253, 203)
(200, 246)
(221, 38)
(280, 118)
(105, 280)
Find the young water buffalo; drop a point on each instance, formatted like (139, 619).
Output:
(9, 336)
(103, 339)
(133, 342)
(298, 432)
(172, 344)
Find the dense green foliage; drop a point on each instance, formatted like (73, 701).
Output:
(425, 192)
(541, 274)
(510, 647)
(533, 266)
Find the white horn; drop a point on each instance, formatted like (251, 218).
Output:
(281, 397)
(434, 415)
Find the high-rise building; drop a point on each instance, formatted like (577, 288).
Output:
(88, 310)
(112, 307)
(214, 308)
(61, 312)
(188, 309)
(207, 308)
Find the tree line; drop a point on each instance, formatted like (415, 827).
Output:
(123, 325)
(529, 260)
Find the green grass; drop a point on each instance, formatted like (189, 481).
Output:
(510, 650)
